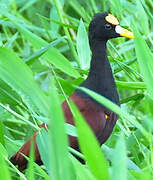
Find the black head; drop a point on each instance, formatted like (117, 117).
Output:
(105, 26)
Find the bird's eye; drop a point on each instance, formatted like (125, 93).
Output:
(108, 26)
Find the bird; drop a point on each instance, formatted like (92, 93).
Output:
(103, 26)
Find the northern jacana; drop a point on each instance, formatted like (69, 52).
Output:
(103, 27)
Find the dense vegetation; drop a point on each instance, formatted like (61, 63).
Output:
(44, 55)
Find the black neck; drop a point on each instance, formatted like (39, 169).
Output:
(100, 78)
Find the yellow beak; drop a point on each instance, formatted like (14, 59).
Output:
(124, 32)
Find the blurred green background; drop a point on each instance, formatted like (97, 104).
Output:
(42, 40)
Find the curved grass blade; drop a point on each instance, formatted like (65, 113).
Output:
(83, 48)
(4, 172)
(119, 161)
(54, 153)
(52, 55)
(145, 59)
(40, 52)
(115, 108)
(60, 166)
(90, 147)
(130, 85)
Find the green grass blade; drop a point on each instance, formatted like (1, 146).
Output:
(2, 140)
(42, 140)
(91, 149)
(30, 173)
(130, 85)
(60, 12)
(83, 48)
(7, 95)
(57, 161)
(113, 107)
(144, 58)
(60, 164)
(143, 19)
(4, 172)
(40, 52)
(52, 55)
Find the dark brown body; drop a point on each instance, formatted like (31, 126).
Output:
(100, 120)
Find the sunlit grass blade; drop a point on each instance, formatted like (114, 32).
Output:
(91, 149)
(144, 58)
(59, 162)
(115, 108)
(30, 163)
(130, 85)
(4, 171)
(83, 48)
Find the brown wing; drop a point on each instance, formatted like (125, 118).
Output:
(18, 158)
(92, 113)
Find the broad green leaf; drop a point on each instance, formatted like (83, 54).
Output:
(90, 148)
(15, 73)
(83, 48)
